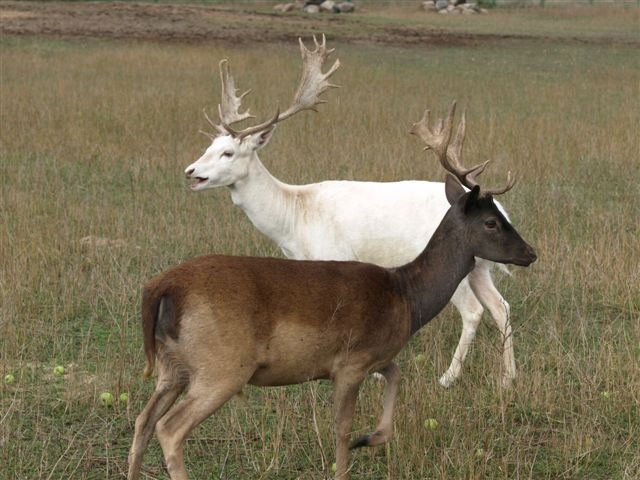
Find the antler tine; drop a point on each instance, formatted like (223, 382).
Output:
(322, 45)
(455, 148)
(229, 106)
(257, 128)
(449, 151)
(438, 138)
(220, 129)
(313, 82)
(417, 127)
(210, 136)
(511, 181)
(454, 152)
(204, 112)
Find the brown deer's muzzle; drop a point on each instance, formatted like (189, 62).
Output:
(527, 258)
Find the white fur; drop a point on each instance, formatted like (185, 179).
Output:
(388, 224)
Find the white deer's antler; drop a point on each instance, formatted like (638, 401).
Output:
(229, 107)
(312, 84)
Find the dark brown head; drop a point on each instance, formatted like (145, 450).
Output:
(488, 233)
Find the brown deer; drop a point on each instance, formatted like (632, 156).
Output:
(216, 323)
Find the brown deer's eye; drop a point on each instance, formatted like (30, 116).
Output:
(490, 224)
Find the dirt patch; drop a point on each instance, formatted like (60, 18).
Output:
(11, 14)
(235, 24)
(197, 23)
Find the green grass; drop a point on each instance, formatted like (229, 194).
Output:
(94, 139)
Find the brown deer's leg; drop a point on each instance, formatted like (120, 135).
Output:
(167, 390)
(204, 397)
(345, 395)
(384, 430)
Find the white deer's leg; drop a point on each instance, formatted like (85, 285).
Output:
(384, 430)
(471, 312)
(482, 285)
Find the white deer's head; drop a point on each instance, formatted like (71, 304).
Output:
(226, 161)
(228, 158)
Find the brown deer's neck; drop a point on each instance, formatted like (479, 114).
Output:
(430, 280)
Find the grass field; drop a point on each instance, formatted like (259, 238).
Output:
(94, 137)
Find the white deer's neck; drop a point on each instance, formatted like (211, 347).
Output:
(265, 200)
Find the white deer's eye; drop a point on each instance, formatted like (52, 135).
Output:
(227, 154)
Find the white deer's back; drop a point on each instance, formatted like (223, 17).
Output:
(388, 224)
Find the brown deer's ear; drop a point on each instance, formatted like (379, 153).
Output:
(472, 199)
(453, 189)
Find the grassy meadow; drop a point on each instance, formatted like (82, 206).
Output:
(94, 139)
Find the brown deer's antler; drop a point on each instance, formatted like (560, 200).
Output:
(312, 84)
(449, 152)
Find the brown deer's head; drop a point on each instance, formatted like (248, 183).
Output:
(491, 236)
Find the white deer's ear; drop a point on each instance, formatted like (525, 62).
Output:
(260, 139)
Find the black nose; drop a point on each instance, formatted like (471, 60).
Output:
(190, 172)
(532, 254)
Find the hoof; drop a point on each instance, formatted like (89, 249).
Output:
(363, 441)
(446, 380)
(507, 382)
(367, 441)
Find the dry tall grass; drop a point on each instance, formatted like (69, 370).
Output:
(93, 142)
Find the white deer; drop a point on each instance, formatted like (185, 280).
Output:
(385, 223)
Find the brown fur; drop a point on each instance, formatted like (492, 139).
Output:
(262, 298)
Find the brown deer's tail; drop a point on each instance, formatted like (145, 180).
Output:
(150, 307)
(160, 319)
